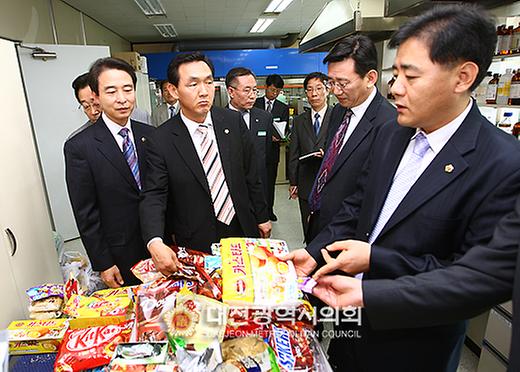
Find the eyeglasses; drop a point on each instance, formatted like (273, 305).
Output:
(86, 106)
(247, 91)
(343, 84)
(318, 89)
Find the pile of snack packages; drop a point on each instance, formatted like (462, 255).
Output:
(239, 309)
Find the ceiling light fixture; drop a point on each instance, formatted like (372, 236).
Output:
(261, 25)
(277, 6)
(166, 29)
(151, 8)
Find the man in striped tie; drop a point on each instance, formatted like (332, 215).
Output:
(203, 183)
(105, 167)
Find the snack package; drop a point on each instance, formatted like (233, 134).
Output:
(197, 319)
(36, 336)
(47, 304)
(114, 292)
(43, 291)
(251, 350)
(253, 274)
(89, 307)
(200, 361)
(90, 347)
(146, 271)
(142, 353)
(306, 284)
(291, 345)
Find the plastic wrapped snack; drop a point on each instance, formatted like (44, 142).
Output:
(44, 291)
(291, 345)
(88, 307)
(146, 271)
(90, 347)
(247, 350)
(36, 336)
(237, 275)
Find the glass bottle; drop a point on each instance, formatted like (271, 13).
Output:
(506, 124)
(514, 94)
(491, 91)
(504, 87)
(506, 41)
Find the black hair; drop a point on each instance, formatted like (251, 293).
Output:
(315, 75)
(275, 80)
(79, 83)
(108, 63)
(358, 47)
(163, 82)
(173, 67)
(453, 33)
(237, 72)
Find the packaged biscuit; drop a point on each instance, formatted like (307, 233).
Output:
(43, 291)
(89, 307)
(90, 347)
(36, 336)
(114, 292)
(237, 275)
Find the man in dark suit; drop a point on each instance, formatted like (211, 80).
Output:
(280, 112)
(439, 180)
(308, 135)
(485, 276)
(105, 165)
(203, 183)
(352, 65)
(167, 109)
(241, 87)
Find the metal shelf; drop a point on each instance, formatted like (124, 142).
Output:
(505, 56)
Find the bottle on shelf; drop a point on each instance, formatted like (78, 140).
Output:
(515, 40)
(506, 41)
(504, 87)
(500, 34)
(389, 94)
(506, 123)
(480, 92)
(514, 94)
(491, 91)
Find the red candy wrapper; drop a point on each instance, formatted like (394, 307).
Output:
(292, 347)
(92, 347)
(146, 271)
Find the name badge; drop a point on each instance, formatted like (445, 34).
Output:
(262, 133)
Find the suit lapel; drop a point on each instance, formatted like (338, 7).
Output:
(436, 176)
(186, 148)
(108, 146)
(308, 126)
(324, 127)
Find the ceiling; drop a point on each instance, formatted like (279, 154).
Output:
(199, 19)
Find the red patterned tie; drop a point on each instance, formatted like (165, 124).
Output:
(328, 162)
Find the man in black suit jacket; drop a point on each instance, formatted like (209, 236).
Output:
(241, 87)
(280, 112)
(485, 276)
(439, 180)
(308, 135)
(352, 63)
(203, 183)
(103, 186)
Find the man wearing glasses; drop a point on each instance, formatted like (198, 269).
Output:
(308, 135)
(242, 91)
(352, 65)
(85, 98)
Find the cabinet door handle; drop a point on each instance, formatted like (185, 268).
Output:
(12, 241)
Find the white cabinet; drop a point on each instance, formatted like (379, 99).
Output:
(27, 252)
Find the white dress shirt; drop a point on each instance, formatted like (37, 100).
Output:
(322, 115)
(115, 128)
(357, 114)
(245, 114)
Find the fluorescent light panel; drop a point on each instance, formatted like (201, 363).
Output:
(261, 25)
(166, 29)
(277, 6)
(151, 7)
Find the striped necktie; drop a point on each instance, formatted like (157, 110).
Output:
(172, 111)
(130, 155)
(269, 106)
(328, 162)
(317, 123)
(222, 203)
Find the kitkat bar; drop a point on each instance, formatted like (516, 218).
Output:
(237, 276)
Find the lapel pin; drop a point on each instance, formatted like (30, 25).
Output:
(448, 168)
(226, 131)
(143, 139)
(256, 120)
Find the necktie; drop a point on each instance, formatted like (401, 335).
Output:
(222, 203)
(403, 182)
(328, 163)
(130, 155)
(172, 111)
(245, 116)
(316, 123)
(269, 106)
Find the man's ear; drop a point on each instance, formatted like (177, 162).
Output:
(466, 74)
(371, 78)
(172, 89)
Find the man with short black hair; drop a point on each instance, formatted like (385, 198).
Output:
(308, 136)
(242, 91)
(85, 98)
(167, 109)
(203, 183)
(105, 165)
(280, 112)
(440, 179)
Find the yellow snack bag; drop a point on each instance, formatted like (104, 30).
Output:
(237, 277)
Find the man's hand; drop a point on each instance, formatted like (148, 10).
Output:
(112, 277)
(276, 139)
(265, 229)
(163, 257)
(353, 259)
(322, 153)
(302, 260)
(293, 192)
(339, 291)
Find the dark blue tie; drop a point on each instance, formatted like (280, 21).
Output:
(316, 123)
(130, 155)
